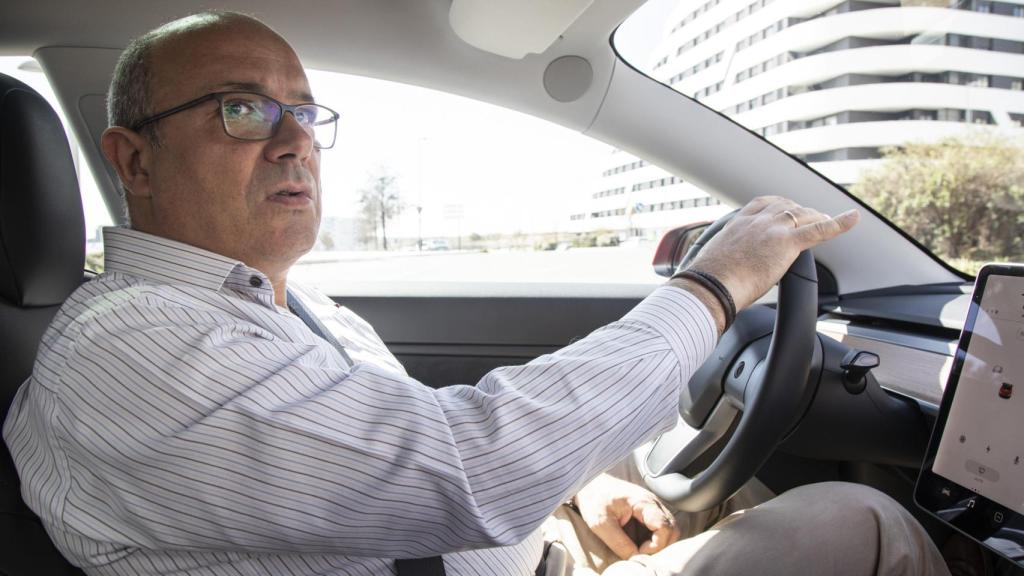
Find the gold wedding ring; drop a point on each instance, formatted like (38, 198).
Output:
(792, 217)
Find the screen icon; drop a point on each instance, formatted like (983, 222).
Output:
(1006, 390)
(986, 472)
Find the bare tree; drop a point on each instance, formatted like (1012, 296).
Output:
(326, 240)
(380, 201)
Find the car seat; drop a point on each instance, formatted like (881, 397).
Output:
(42, 254)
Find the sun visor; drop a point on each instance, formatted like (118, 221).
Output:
(513, 28)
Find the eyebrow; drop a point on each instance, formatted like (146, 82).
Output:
(302, 96)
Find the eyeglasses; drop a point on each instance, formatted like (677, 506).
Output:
(253, 116)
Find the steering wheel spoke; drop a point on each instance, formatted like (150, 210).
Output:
(678, 449)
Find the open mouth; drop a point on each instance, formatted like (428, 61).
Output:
(290, 193)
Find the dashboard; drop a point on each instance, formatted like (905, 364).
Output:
(913, 330)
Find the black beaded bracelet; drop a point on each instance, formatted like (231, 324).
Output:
(715, 286)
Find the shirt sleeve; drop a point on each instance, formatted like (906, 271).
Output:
(192, 430)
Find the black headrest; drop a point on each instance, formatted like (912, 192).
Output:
(42, 228)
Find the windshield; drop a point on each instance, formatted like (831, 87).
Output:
(915, 106)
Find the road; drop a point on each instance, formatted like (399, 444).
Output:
(341, 272)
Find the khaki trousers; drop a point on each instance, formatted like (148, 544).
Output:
(832, 528)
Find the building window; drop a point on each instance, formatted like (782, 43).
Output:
(950, 115)
(624, 168)
(610, 192)
(978, 117)
(978, 80)
(658, 183)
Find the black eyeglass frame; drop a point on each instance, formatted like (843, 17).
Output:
(219, 97)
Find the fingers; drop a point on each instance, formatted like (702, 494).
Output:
(610, 531)
(604, 505)
(659, 540)
(608, 505)
(654, 517)
(796, 216)
(812, 227)
(661, 524)
(821, 229)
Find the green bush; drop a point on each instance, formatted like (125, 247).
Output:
(963, 198)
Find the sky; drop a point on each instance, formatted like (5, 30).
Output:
(502, 170)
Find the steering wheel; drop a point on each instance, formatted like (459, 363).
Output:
(755, 384)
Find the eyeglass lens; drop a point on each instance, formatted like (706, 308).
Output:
(253, 117)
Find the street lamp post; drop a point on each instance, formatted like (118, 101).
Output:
(419, 193)
(419, 228)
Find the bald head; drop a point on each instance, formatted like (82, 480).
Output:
(131, 88)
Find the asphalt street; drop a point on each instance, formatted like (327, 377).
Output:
(339, 272)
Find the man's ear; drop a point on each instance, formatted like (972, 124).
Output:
(129, 153)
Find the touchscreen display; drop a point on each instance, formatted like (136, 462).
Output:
(982, 444)
(973, 474)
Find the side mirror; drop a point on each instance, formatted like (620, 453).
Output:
(674, 245)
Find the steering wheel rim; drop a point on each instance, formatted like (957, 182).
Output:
(760, 408)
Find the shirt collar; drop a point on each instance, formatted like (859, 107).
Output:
(163, 260)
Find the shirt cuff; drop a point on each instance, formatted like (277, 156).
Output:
(683, 320)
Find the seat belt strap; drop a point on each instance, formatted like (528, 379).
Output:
(314, 324)
(433, 566)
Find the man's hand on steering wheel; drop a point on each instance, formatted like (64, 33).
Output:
(749, 403)
(608, 504)
(755, 249)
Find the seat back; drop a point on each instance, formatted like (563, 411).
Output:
(42, 255)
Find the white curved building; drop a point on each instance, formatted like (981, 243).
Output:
(829, 81)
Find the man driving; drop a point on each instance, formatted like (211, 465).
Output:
(191, 411)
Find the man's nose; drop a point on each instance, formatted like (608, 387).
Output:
(291, 140)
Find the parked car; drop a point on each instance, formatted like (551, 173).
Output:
(437, 244)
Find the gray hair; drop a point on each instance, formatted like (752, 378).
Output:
(129, 97)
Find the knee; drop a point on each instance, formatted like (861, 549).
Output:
(845, 495)
(821, 506)
(858, 507)
(878, 523)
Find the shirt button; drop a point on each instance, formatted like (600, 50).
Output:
(255, 281)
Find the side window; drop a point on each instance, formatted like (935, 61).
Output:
(430, 193)
(97, 215)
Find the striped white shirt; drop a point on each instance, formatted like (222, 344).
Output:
(178, 422)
